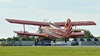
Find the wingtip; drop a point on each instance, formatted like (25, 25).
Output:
(7, 19)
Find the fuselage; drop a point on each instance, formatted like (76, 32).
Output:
(61, 32)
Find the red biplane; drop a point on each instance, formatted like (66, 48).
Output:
(54, 30)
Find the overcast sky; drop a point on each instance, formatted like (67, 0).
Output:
(52, 10)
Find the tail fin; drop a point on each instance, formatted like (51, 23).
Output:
(67, 23)
(68, 27)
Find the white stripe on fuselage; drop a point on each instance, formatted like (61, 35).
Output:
(53, 25)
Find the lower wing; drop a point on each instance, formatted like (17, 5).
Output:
(29, 34)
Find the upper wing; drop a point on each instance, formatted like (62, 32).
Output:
(77, 23)
(82, 23)
(28, 22)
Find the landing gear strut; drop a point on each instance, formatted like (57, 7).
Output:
(54, 40)
(65, 40)
(36, 42)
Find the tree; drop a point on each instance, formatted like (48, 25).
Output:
(26, 38)
(15, 38)
(88, 34)
(32, 38)
(98, 36)
(2, 39)
(9, 39)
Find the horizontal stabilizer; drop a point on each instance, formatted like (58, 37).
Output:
(77, 34)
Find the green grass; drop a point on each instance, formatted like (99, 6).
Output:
(48, 51)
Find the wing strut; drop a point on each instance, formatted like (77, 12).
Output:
(24, 27)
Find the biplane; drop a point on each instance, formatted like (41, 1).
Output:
(54, 29)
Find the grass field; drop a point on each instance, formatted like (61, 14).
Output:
(48, 51)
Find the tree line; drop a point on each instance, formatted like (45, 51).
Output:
(26, 38)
